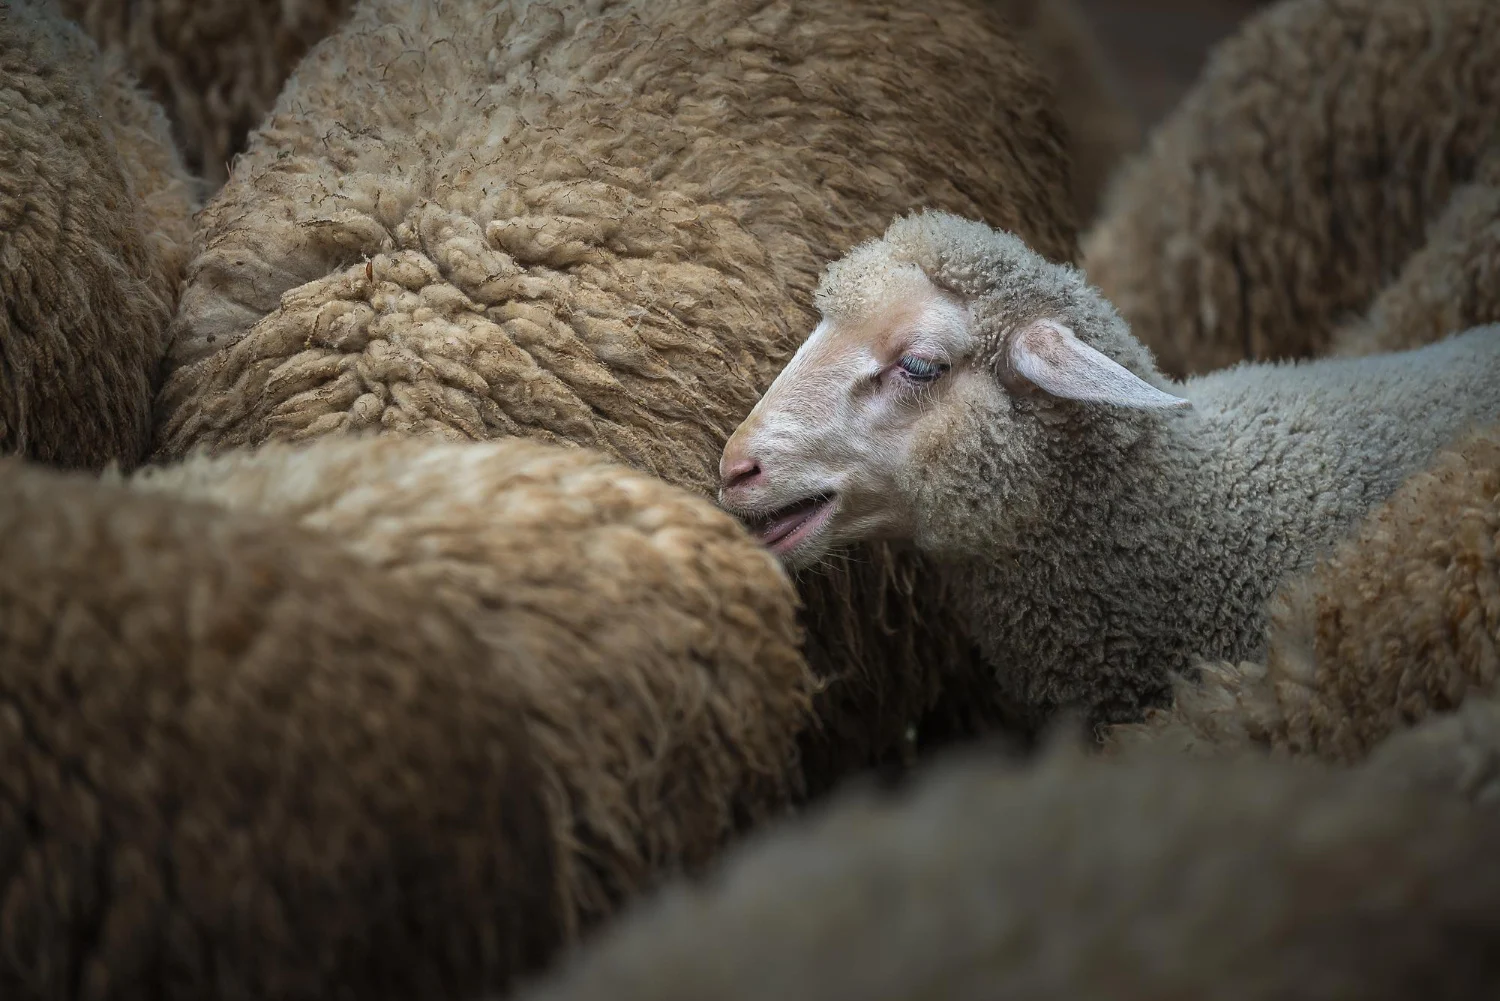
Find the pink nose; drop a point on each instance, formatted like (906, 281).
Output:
(736, 471)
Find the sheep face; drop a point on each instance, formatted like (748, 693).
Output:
(944, 389)
(827, 456)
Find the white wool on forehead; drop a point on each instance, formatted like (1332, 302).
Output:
(868, 278)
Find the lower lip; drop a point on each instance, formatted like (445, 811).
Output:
(782, 541)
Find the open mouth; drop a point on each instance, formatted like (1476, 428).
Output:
(784, 529)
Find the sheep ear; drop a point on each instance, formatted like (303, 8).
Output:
(1052, 358)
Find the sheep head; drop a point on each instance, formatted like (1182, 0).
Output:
(956, 378)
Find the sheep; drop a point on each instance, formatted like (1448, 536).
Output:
(603, 228)
(235, 762)
(1103, 526)
(95, 222)
(1297, 176)
(1456, 752)
(1150, 877)
(653, 643)
(1101, 128)
(1401, 620)
(1451, 284)
(216, 65)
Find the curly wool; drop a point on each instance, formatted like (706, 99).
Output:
(234, 763)
(95, 223)
(216, 65)
(1399, 622)
(659, 658)
(1297, 176)
(601, 224)
(1102, 129)
(1151, 877)
(1451, 284)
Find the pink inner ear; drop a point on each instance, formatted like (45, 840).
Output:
(1051, 357)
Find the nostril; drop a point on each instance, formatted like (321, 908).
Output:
(740, 472)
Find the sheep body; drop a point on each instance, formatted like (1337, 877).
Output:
(1297, 176)
(1400, 621)
(95, 222)
(1099, 544)
(1148, 877)
(236, 762)
(600, 224)
(652, 643)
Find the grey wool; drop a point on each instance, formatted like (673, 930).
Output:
(1142, 879)
(1105, 527)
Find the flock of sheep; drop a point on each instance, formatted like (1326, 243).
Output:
(745, 499)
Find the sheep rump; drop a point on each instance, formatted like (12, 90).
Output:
(1400, 621)
(234, 763)
(1148, 877)
(652, 644)
(1297, 176)
(582, 223)
(95, 222)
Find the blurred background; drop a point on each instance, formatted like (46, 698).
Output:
(1158, 46)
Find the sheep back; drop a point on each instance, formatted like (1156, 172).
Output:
(1400, 621)
(1297, 176)
(235, 763)
(601, 224)
(95, 223)
(1150, 876)
(659, 661)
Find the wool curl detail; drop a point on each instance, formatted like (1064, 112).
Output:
(601, 223)
(95, 224)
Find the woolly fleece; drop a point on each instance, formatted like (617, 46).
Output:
(1097, 550)
(234, 763)
(1297, 176)
(1147, 878)
(1451, 284)
(95, 221)
(215, 65)
(601, 223)
(653, 644)
(1400, 621)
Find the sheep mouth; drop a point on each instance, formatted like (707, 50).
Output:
(785, 528)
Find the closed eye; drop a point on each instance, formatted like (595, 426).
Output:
(920, 370)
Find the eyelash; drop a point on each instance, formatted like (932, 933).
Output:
(920, 370)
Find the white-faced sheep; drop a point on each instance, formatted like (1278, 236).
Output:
(95, 222)
(216, 65)
(1101, 128)
(602, 225)
(1451, 284)
(1105, 526)
(652, 642)
(1400, 621)
(1297, 176)
(236, 762)
(1152, 877)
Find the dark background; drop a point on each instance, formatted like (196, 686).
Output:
(1158, 46)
